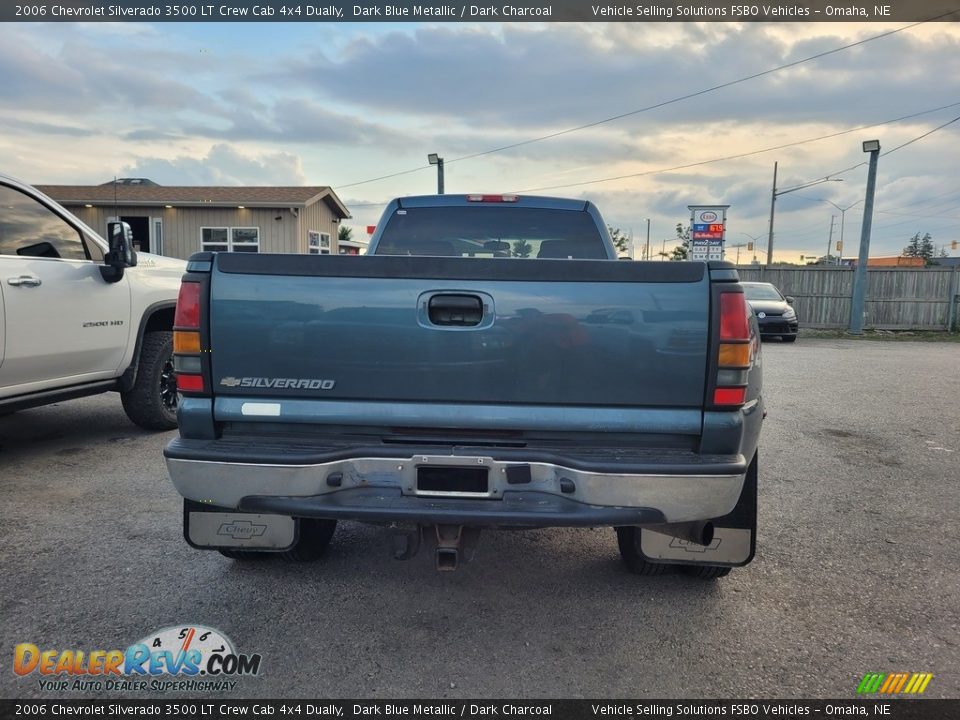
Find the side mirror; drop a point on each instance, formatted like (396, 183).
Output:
(789, 300)
(121, 255)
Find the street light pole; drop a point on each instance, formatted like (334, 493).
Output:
(756, 243)
(435, 159)
(843, 217)
(843, 214)
(646, 253)
(858, 301)
(826, 258)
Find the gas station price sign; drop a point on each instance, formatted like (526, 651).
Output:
(707, 231)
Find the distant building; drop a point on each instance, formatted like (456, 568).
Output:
(177, 220)
(895, 261)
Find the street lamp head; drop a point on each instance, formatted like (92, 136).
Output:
(434, 159)
(871, 145)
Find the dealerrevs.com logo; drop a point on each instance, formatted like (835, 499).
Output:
(180, 658)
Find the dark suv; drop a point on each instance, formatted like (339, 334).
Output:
(775, 316)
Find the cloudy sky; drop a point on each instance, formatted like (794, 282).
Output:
(340, 104)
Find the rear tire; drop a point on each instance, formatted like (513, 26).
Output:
(315, 536)
(152, 401)
(628, 539)
(706, 572)
(245, 555)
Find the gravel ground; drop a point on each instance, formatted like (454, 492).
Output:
(856, 568)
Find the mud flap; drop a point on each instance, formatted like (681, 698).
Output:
(734, 539)
(209, 527)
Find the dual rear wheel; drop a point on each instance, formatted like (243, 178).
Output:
(315, 536)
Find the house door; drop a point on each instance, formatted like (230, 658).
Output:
(141, 231)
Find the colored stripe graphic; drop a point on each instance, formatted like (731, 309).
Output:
(927, 677)
(871, 683)
(894, 683)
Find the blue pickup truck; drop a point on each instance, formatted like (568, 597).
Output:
(488, 364)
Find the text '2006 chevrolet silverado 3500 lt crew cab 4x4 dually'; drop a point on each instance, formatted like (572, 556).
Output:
(488, 364)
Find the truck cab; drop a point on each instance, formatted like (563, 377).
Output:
(79, 314)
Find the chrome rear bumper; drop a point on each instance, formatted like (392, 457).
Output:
(385, 489)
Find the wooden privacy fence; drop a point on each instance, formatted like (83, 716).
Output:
(897, 298)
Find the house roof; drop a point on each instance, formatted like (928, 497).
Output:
(195, 195)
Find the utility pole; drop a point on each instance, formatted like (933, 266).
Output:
(738, 246)
(773, 202)
(774, 193)
(646, 254)
(826, 258)
(843, 215)
(860, 277)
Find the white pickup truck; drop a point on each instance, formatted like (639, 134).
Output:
(80, 315)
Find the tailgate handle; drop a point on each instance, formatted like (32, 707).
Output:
(458, 310)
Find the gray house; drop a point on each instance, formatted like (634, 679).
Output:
(178, 221)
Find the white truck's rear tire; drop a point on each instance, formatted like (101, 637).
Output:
(152, 401)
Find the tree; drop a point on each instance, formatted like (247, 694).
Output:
(345, 234)
(521, 248)
(920, 247)
(620, 241)
(822, 260)
(682, 251)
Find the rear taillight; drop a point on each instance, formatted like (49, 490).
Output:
(735, 352)
(188, 306)
(187, 347)
(492, 198)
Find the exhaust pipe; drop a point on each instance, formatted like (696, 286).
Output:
(699, 533)
(447, 559)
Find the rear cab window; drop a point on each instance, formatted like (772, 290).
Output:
(500, 231)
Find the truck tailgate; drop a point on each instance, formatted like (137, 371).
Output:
(592, 333)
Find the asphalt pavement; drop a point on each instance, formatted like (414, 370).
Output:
(856, 568)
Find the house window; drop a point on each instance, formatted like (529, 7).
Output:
(230, 239)
(319, 243)
(245, 239)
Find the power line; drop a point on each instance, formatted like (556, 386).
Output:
(893, 150)
(749, 154)
(917, 215)
(698, 93)
(929, 200)
(745, 154)
(655, 106)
